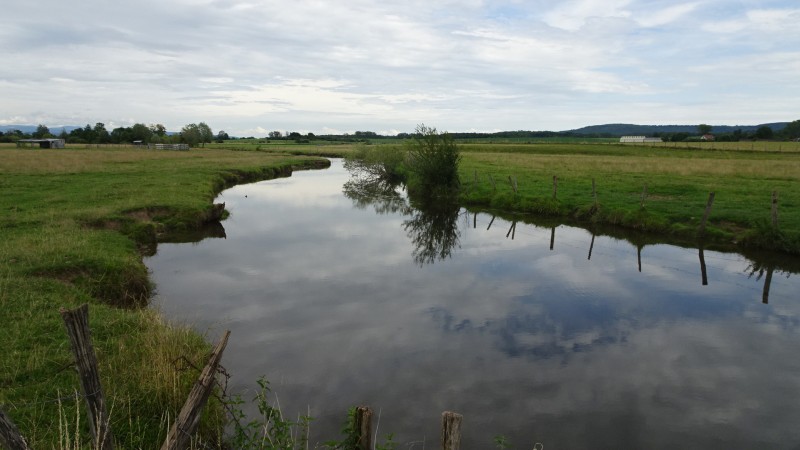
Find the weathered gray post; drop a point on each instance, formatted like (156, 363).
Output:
(555, 187)
(363, 427)
(451, 430)
(180, 434)
(513, 185)
(80, 337)
(775, 209)
(701, 231)
(644, 195)
(10, 438)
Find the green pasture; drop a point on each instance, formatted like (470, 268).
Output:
(73, 225)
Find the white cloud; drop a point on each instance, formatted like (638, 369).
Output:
(369, 65)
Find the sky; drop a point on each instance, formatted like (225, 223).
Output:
(252, 66)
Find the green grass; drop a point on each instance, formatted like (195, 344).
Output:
(678, 183)
(73, 223)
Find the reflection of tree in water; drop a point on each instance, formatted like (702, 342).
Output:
(433, 223)
(365, 189)
(433, 229)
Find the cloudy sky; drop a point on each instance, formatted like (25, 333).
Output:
(251, 66)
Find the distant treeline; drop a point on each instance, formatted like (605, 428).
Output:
(195, 134)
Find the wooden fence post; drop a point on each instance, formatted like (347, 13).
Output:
(180, 434)
(77, 323)
(451, 430)
(552, 237)
(10, 438)
(513, 184)
(490, 223)
(591, 246)
(775, 209)
(767, 283)
(491, 180)
(594, 192)
(644, 195)
(701, 231)
(555, 187)
(363, 427)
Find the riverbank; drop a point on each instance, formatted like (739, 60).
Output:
(74, 226)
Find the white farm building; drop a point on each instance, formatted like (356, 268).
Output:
(639, 139)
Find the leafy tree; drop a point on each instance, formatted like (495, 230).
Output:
(792, 130)
(41, 132)
(704, 129)
(764, 132)
(222, 136)
(101, 135)
(190, 134)
(275, 134)
(158, 129)
(206, 135)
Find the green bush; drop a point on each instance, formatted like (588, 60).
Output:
(433, 160)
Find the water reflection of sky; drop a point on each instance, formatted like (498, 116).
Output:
(325, 300)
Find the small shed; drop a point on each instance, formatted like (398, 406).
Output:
(41, 143)
(639, 139)
(707, 137)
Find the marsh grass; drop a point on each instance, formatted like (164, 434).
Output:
(72, 223)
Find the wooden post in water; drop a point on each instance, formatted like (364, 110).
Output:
(702, 230)
(491, 180)
(644, 195)
(512, 230)
(703, 272)
(188, 419)
(639, 257)
(552, 238)
(10, 438)
(474, 220)
(80, 337)
(363, 427)
(490, 223)
(451, 430)
(767, 283)
(555, 187)
(591, 246)
(775, 209)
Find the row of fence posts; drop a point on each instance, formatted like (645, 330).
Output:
(512, 180)
(180, 435)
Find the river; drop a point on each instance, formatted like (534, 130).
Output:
(535, 331)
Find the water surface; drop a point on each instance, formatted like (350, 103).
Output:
(342, 301)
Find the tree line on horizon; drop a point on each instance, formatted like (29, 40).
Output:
(200, 133)
(192, 134)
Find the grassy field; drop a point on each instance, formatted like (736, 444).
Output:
(676, 182)
(73, 222)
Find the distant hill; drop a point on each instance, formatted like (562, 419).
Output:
(626, 129)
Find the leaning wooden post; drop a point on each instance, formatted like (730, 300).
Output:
(594, 193)
(77, 323)
(10, 438)
(513, 185)
(767, 283)
(362, 426)
(552, 238)
(701, 231)
(490, 223)
(180, 434)
(491, 180)
(775, 209)
(451, 430)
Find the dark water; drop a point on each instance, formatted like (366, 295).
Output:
(340, 301)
